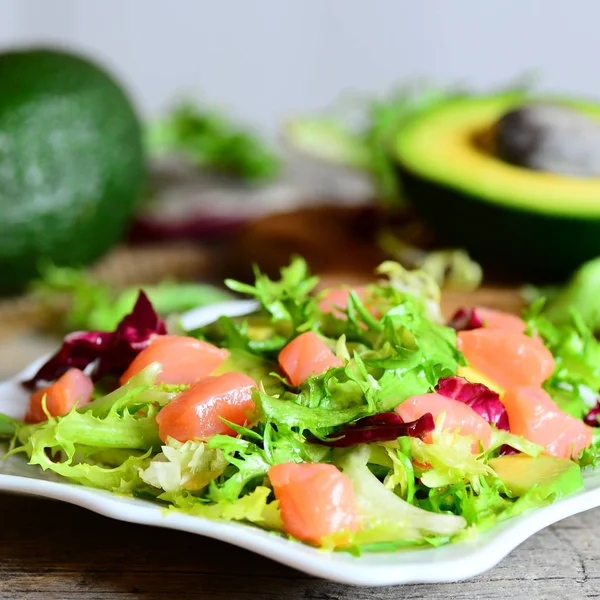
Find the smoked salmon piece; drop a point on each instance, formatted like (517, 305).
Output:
(335, 300)
(195, 413)
(497, 319)
(316, 500)
(533, 414)
(459, 417)
(307, 355)
(507, 358)
(74, 387)
(184, 360)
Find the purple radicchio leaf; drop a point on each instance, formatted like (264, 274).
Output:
(383, 427)
(465, 319)
(111, 352)
(480, 398)
(591, 418)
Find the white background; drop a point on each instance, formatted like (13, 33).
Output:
(267, 59)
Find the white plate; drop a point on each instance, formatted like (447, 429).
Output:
(432, 565)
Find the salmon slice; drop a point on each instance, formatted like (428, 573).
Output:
(195, 413)
(183, 359)
(335, 300)
(74, 387)
(497, 319)
(307, 355)
(533, 414)
(459, 417)
(316, 500)
(507, 358)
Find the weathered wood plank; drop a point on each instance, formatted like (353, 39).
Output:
(52, 551)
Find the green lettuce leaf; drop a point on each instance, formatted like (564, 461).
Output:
(254, 507)
(191, 466)
(92, 305)
(581, 294)
(8, 427)
(48, 447)
(288, 300)
(449, 459)
(76, 428)
(384, 516)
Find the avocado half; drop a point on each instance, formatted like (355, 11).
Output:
(524, 221)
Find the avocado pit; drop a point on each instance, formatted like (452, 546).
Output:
(551, 138)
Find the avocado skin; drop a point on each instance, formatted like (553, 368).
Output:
(72, 165)
(538, 246)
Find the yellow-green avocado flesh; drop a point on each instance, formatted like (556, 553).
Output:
(550, 475)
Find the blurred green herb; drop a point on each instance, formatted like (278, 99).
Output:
(366, 148)
(209, 140)
(580, 293)
(93, 305)
(451, 269)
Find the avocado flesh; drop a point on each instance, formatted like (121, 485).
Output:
(442, 146)
(527, 223)
(550, 475)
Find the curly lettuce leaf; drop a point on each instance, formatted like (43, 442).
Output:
(105, 440)
(409, 357)
(77, 428)
(384, 516)
(448, 459)
(253, 452)
(190, 466)
(417, 284)
(254, 507)
(54, 446)
(139, 393)
(288, 300)
(590, 456)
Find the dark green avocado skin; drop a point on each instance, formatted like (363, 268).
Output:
(72, 165)
(515, 243)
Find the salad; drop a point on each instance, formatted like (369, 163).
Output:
(350, 419)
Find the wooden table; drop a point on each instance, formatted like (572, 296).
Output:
(53, 551)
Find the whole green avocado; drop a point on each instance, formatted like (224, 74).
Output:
(72, 165)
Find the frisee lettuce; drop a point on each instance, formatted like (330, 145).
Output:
(448, 459)
(385, 517)
(190, 466)
(255, 507)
